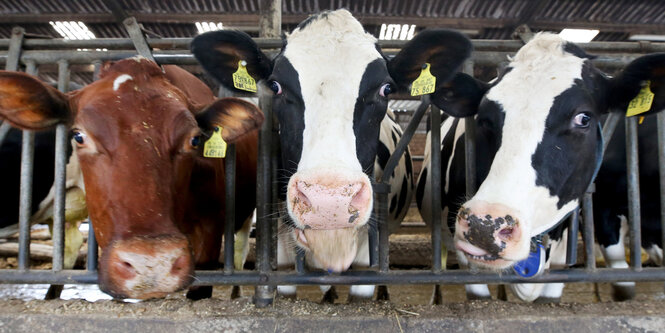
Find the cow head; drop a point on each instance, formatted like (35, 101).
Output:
(331, 84)
(138, 133)
(541, 118)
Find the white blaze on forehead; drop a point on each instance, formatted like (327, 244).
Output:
(330, 55)
(541, 71)
(120, 80)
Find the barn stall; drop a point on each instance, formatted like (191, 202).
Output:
(163, 32)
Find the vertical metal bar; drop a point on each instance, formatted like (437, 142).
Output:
(571, 245)
(373, 235)
(230, 201)
(633, 193)
(587, 212)
(270, 24)
(4, 130)
(384, 245)
(435, 173)
(661, 170)
(300, 261)
(135, 33)
(470, 145)
(15, 45)
(60, 174)
(609, 126)
(25, 200)
(91, 261)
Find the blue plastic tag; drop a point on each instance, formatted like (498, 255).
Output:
(532, 265)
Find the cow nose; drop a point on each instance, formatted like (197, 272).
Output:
(330, 205)
(487, 230)
(146, 268)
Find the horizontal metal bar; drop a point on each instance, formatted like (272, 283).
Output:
(9, 276)
(183, 43)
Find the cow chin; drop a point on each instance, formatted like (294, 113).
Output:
(333, 250)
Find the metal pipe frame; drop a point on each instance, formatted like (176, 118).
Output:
(661, 171)
(264, 277)
(59, 178)
(633, 172)
(230, 211)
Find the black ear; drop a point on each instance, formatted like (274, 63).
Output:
(626, 85)
(220, 51)
(460, 96)
(444, 50)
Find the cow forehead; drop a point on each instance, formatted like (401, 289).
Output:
(330, 54)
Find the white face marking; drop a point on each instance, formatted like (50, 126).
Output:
(154, 272)
(120, 80)
(541, 64)
(330, 55)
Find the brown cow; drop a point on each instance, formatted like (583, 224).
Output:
(156, 203)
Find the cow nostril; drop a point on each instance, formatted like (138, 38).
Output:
(358, 201)
(180, 264)
(506, 233)
(301, 197)
(125, 269)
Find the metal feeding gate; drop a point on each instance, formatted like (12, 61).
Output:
(175, 51)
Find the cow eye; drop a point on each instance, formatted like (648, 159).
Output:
(195, 141)
(582, 120)
(79, 137)
(386, 89)
(276, 87)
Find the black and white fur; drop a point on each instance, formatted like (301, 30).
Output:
(537, 139)
(330, 83)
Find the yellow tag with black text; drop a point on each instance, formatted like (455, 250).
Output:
(242, 80)
(642, 102)
(425, 83)
(215, 147)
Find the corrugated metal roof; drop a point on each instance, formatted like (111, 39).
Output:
(494, 19)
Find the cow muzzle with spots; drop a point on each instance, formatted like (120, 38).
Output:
(490, 235)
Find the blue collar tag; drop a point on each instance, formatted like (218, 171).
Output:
(532, 265)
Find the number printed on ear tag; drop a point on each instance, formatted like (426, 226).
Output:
(215, 147)
(425, 83)
(242, 80)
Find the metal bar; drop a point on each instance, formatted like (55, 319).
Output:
(91, 259)
(15, 44)
(300, 261)
(373, 236)
(276, 42)
(452, 277)
(633, 172)
(661, 170)
(230, 213)
(384, 246)
(435, 178)
(25, 208)
(4, 130)
(571, 245)
(60, 177)
(609, 126)
(138, 39)
(25, 200)
(587, 212)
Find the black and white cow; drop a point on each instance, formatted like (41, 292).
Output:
(538, 146)
(331, 84)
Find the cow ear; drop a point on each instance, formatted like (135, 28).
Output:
(625, 86)
(236, 116)
(460, 96)
(28, 103)
(444, 50)
(220, 51)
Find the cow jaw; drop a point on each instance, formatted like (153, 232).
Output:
(332, 250)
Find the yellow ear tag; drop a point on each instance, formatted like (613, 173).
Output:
(641, 120)
(642, 102)
(425, 83)
(242, 80)
(215, 147)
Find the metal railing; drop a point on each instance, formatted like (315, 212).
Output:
(33, 53)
